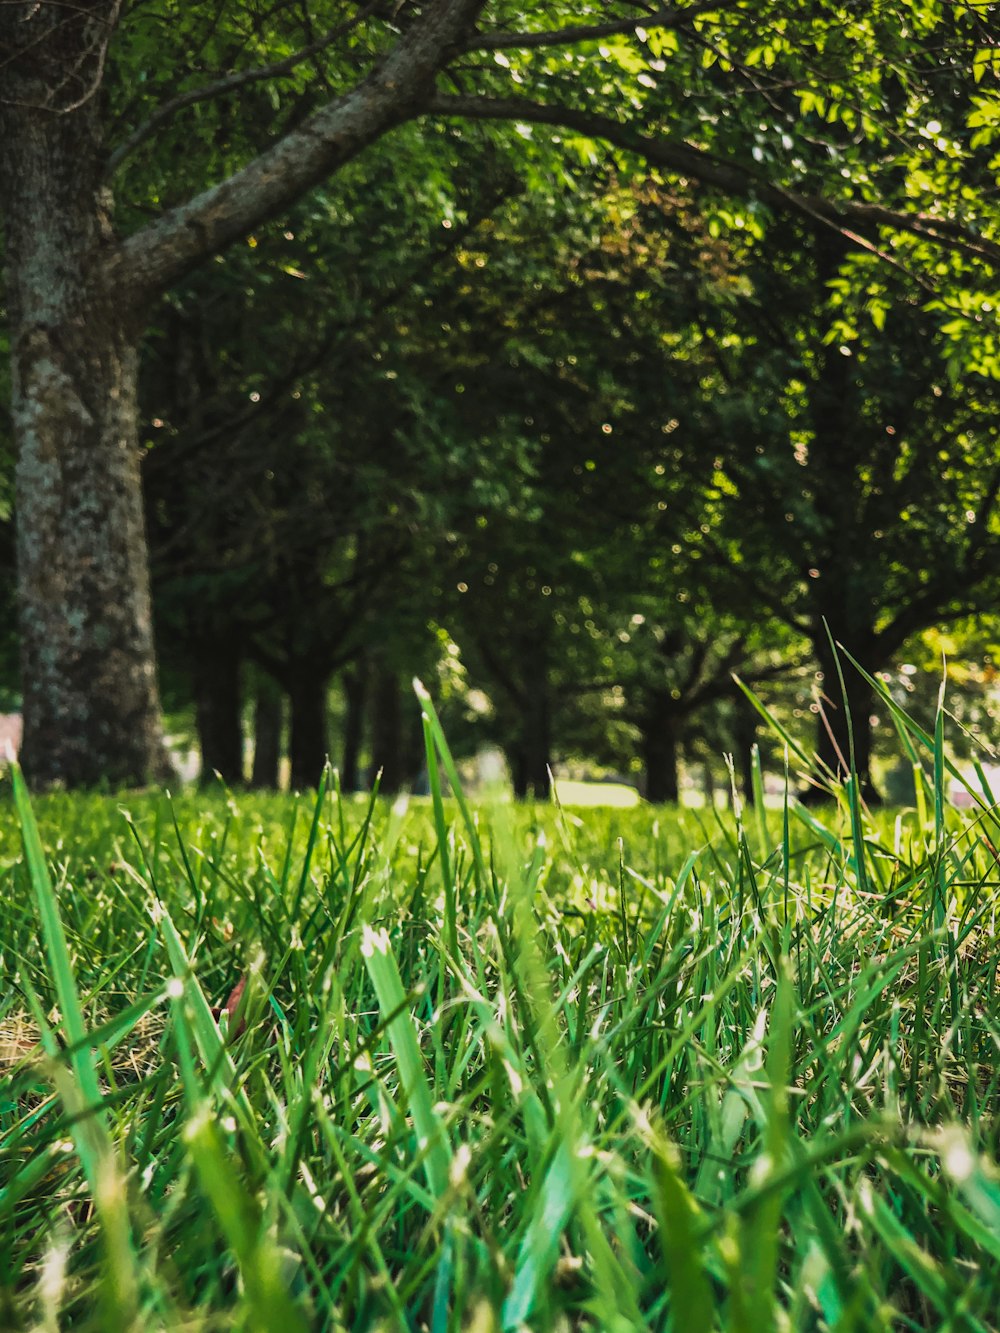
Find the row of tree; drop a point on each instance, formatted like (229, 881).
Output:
(689, 383)
(606, 453)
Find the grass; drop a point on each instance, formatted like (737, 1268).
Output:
(498, 1068)
(583, 794)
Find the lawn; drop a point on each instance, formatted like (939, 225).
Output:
(497, 1068)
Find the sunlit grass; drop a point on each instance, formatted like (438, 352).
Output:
(613, 795)
(500, 1067)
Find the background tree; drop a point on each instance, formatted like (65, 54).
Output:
(292, 448)
(597, 329)
(863, 462)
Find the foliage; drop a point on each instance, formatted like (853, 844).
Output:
(685, 166)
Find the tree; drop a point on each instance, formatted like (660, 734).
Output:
(80, 290)
(862, 460)
(293, 449)
(78, 298)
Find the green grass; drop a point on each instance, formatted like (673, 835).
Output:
(498, 1068)
(584, 794)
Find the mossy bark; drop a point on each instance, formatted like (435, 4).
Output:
(91, 703)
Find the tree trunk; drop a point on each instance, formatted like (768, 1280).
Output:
(660, 737)
(355, 686)
(76, 301)
(268, 718)
(219, 709)
(308, 748)
(708, 784)
(91, 702)
(388, 742)
(833, 735)
(532, 758)
(744, 739)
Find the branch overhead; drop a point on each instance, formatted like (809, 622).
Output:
(667, 17)
(733, 177)
(230, 84)
(394, 92)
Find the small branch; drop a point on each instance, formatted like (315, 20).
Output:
(395, 91)
(525, 41)
(230, 84)
(733, 177)
(496, 668)
(699, 657)
(720, 684)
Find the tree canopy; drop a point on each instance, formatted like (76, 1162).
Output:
(156, 149)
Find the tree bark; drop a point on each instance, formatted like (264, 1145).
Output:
(744, 739)
(660, 742)
(708, 784)
(91, 700)
(219, 709)
(308, 746)
(267, 723)
(843, 599)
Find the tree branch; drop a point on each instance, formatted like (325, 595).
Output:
(495, 667)
(524, 41)
(720, 684)
(931, 608)
(149, 261)
(231, 83)
(733, 177)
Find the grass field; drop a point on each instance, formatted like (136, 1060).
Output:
(497, 1069)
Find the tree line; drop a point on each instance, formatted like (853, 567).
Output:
(603, 356)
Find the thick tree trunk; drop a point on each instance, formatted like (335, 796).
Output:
(355, 686)
(308, 747)
(219, 709)
(268, 718)
(91, 704)
(660, 739)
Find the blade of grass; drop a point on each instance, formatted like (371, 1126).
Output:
(415, 1093)
(79, 1088)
